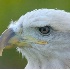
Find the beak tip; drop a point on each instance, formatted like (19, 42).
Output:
(1, 50)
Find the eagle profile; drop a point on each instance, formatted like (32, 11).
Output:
(42, 36)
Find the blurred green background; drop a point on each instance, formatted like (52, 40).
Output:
(13, 9)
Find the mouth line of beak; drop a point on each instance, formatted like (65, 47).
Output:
(31, 39)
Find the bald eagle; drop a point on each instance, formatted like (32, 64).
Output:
(42, 36)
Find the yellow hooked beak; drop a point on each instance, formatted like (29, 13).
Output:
(4, 39)
(9, 39)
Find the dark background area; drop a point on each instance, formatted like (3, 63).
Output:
(12, 10)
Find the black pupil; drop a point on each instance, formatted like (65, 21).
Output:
(44, 30)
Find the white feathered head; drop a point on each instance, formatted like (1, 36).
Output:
(43, 37)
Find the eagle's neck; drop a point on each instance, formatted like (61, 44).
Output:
(37, 60)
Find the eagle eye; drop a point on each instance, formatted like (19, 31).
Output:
(44, 30)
